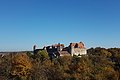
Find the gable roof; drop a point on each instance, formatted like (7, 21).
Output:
(77, 45)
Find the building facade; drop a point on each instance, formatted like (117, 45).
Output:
(77, 49)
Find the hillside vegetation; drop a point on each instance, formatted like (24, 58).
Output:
(98, 64)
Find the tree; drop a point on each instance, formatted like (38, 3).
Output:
(21, 66)
(80, 68)
(103, 65)
(42, 55)
(5, 66)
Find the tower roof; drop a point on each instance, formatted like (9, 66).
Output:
(77, 45)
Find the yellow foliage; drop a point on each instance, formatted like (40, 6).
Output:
(21, 65)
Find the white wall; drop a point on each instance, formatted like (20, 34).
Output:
(78, 51)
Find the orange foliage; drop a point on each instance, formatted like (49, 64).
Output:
(21, 65)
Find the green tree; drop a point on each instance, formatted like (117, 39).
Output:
(42, 55)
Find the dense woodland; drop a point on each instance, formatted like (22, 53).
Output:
(98, 64)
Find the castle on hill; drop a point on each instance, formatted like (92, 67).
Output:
(77, 49)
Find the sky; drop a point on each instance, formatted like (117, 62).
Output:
(24, 23)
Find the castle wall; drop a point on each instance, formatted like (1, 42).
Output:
(78, 51)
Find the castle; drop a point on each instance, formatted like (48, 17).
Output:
(77, 49)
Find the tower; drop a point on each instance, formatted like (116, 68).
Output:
(71, 49)
(34, 48)
(44, 48)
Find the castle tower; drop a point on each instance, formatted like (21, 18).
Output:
(44, 48)
(34, 48)
(71, 49)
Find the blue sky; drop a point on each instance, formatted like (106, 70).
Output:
(24, 23)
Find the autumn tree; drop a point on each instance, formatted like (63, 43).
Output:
(80, 68)
(21, 66)
(103, 64)
(5, 66)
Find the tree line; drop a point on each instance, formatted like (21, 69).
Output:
(98, 64)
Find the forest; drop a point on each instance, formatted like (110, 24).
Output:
(98, 64)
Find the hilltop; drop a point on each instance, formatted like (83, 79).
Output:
(97, 64)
